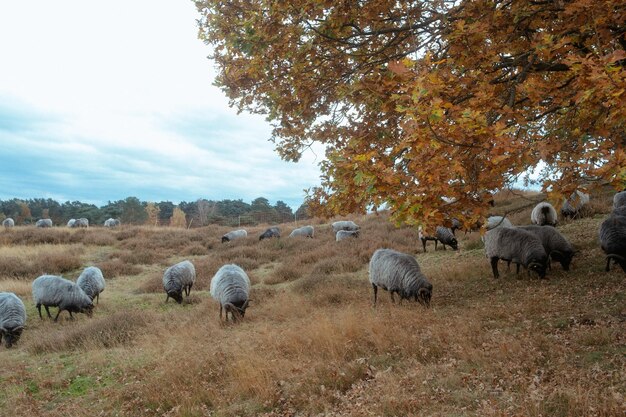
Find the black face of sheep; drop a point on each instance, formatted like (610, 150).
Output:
(454, 244)
(237, 310)
(423, 296)
(11, 336)
(621, 261)
(538, 267)
(88, 310)
(564, 258)
(176, 295)
(225, 239)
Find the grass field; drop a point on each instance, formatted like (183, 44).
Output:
(311, 343)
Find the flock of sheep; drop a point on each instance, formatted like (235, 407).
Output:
(82, 222)
(532, 246)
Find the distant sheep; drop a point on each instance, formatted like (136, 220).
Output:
(346, 234)
(8, 222)
(91, 281)
(230, 286)
(574, 204)
(270, 233)
(43, 223)
(54, 291)
(442, 234)
(498, 221)
(178, 278)
(613, 240)
(82, 222)
(235, 234)
(619, 199)
(399, 273)
(345, 225)
(12, 318)
(305, 231)
(544, 214)
(456, 225)
(518, 246)
(70, 222)
(110, 222)
(425, 238)
(555, 244)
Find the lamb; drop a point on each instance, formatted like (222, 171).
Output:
(400, 273)
(306, 231)
(555, 244)
(613, 240)
(235, 234)
(498, 221)
(110, 222)
(619, 199)
(515, 245)
(345, 234)
(345, 225)
(43, 223)
(54, 291)
(12, 318)
(574, 204)
(91, 281)
(269, 233)
(544, 214)
(8, 222)
(230, 286)
(442, 234)
(70, 222)
(178, 278)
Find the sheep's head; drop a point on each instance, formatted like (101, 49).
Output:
(424, 294)
(538, 267)
(454, 244)
(564, 258)
(11, 336)
(236, 309)
(177, 295)
(225, 239)
(87, 309)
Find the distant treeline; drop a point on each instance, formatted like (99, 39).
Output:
(133, 211)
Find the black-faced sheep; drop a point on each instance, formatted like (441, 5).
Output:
(8, 222)
(347, 225)
(305, 231)
(44, 223)
(346, 234)
(230, 286)
(270, 233)
(111, 222)
(574, 204)
(178, 278)
(613, 240)
(544, 214)
(54, 291)
(518, 246)
(12, 318)
(555, 244)
(235, 234)
(91, 281)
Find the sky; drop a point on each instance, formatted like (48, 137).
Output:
(104, 100)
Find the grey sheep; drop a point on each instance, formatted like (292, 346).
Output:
(43, 223)
(91, 281)
(235, 234)
(518, 246)
(70, 222)
(498, 221)
(619, 199)
(544, 214)
(8, 222)
(399, 273)
(12, 318)
(269, 233)
(555, 244)
(613, 240)
(178, 278)
(82, 222)
(346, 234)
(54, 291)
(345, 225)
(306, 231)
(619, 211)
(574, 204)
(443, 235)
(110, 222)
(456, 225)
(230, 286)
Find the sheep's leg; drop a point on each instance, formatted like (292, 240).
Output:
(608, 264)
(167, 298)
(375, 293)
(508, 266)
(98, 299)
(436, 244)
(393, 300)
(444, 246)
(47, 311)
(39, 310)
(57, 316)
(494, 267)
(424, 244)
(517, 269)
(221, 312)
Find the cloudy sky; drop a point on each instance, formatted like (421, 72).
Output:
(104, 100)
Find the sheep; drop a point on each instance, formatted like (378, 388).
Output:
(110, 222)
(82, 222)
(43, 223)
(619, 211)
(54, 291)
(70, 222)
(12, 318)
(235, 234)
(555, 244)
(515, 245)
(8, 222)
(91, 281)
(456, 224)
(345, 225)
(619, 199)
(442, 234)
(178, 278)
(574, 204)
(613, 240)
(400, 273)
(424, 237)
(230, 286)
(498, 221)
(345, 234)
(269, 233)
(544, 214)
(306, 231)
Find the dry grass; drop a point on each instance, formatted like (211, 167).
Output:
(311, 343)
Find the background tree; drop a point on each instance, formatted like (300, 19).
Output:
(166, 209)
(24, 216)
(133, 211)
(152, 212)
(178, 218)
(419, 100)
(283, 211)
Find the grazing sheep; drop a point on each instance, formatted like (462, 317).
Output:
(456, 225)
(345, 225)
(82, 222)
(44, 223)
(400, 273)
(8, 222)
(424, 238)
(544, 214)
(269, 233)
(555, 244)
(613, 240)
(345, 234)
(306, 231)
(178, 278)
(12, 318)
(574, 204)
(91, 282)
(230, 286)
(619, 199)
(442, 234)
(53, 291)
(235, 234)
(498, 221)
(70, 222)
(110, 222)
(515, 245)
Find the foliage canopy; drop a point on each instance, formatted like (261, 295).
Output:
(416, 100)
